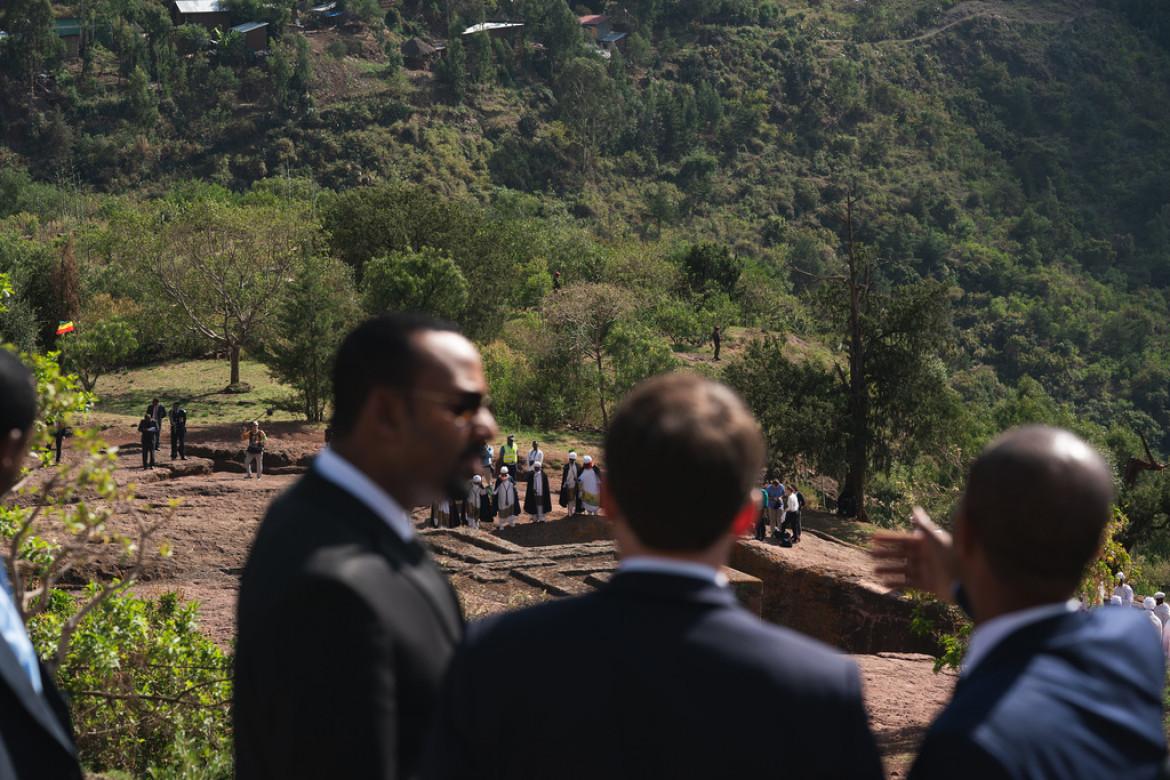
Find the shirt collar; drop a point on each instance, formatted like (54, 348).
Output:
(985, 637)
(649, 564)
(336, 469)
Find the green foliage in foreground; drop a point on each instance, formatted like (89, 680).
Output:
(148, 689)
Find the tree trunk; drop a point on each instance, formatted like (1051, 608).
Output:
(858, 442)
(235, 358)
(601, 390)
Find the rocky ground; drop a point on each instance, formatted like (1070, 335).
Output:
(822, 586)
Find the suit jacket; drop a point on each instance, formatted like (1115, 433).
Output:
(344, 634)
(652, 676)
(1072, 696)
(530, 497)
(36, 734)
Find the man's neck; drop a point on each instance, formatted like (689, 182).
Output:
(356, 456)
(997, 605)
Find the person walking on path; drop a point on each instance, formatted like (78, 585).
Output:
(148, 431)
(178, 432)
(538, 496)
(159, 413)
(716, 340)
(59, 434)
(506, 503)
(254, 452)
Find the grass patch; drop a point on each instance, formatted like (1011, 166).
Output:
(198, 385)
(852, 531)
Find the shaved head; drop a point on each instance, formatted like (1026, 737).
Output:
(1037, 502)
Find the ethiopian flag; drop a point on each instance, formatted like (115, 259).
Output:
(64, 327)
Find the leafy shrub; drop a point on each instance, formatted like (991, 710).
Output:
(146, 686)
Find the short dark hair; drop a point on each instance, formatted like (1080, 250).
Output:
(682, 423)
(1037, 501)
(377, 353)
(18, 395)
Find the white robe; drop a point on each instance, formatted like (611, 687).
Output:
(1126, 594)
(1163, 612)
(590, 491)
(1157, 624)
(474, 496)
(506, 502)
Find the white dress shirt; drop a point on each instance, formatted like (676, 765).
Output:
(985, 637)
(649, 564)
(345, 475)
(793, 502)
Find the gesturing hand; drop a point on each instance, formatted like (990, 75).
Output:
(923, 559)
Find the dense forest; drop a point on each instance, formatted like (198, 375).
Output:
(918, 222)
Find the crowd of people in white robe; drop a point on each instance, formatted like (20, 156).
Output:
(1155, 606)
(493, 498)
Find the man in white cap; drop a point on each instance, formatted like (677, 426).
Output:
(1123, 590)
(1162, 609)
(570, 475)
(590, 484)
(477, 496)
(506, 506)
(1148, 603)
(535, 455)
(538, 497)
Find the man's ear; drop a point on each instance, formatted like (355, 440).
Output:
(385, 411)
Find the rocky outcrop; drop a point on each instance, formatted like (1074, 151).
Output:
(824, 589)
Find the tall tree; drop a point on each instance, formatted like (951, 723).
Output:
(224, 266)
(589, 104)
(31, 42)
(586, 314)
(320, 307)
(893, 382)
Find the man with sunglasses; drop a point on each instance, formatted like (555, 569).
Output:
(346, 625)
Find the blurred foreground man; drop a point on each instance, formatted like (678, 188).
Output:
(1045, 691)
(660, 673)
(36, 736)
(346, 626)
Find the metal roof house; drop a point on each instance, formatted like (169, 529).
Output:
(255, 35)
(205, 13)
(492, 27)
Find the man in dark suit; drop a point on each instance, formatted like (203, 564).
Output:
(1046, 691)
(660, 673)
(36, 735)
(157, 412)
(346, 626)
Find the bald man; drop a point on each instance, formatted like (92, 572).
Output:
(1045, 691)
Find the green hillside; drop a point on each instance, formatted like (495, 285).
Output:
(997, 169)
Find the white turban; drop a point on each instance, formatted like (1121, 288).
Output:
(504, 471)
(1149, 602)
(588, 459)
